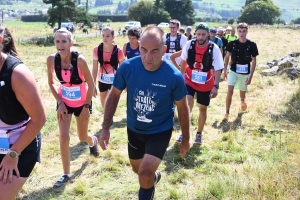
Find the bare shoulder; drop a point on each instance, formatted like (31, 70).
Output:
(50, 58)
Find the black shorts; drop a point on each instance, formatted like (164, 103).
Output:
(103, 87)
(28, 158)
(152, 144)
(77, 110)
(203, 98)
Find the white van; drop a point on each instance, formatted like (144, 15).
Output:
(132, 24)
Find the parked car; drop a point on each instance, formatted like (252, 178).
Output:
(70, 26)
(163, 25)
(132, 24)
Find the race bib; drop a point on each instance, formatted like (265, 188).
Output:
(199, 77)
(71, 93)
(242, 69)
(4, 143)
(107, 78)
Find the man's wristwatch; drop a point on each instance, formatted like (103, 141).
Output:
(87, 105)
(13, 154)
(217, 86)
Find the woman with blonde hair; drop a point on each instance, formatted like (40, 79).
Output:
(73, 96)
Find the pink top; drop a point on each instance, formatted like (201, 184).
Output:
(72, 95)
(107, 68)
(14, 135)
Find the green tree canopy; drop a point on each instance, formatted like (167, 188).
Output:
(181, 10)
(231, 21)
(260, 11)
(297, 20)
(66, 10)
(147, 13)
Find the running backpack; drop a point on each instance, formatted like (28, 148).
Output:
(114, 61)
(236, 54)
(74, 79)
(207, 56)
(177, 42)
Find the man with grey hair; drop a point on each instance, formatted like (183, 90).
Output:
(150, 108)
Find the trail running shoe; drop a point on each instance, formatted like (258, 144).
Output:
(157, 177)
(65, 178)
(198, 139)
(94, 150)
(179, 140)
(243, 105)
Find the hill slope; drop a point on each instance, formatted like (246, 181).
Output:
(204, 8)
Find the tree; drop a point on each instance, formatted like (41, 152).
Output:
(66, 10)
(260, 11)
(230, 21)
(182, 10)
(296, 21)
(147, 13)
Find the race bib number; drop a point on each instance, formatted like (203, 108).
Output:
(107, 78)
(243, 69)
(71, 93)
(4, 143)
(199, 77)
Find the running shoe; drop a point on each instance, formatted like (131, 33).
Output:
(65, 178)
(94, 150)
(198, 139)
(226, 116)
(243, 105)
(157, 177)
(179, 140)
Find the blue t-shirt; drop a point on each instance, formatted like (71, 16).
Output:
(217, 41)
(130, 53)
(150, 95)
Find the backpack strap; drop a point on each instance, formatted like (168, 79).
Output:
(74, 79)
(57, 68)
(100, 54)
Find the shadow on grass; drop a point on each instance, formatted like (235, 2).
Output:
(226, 125)
(116, 124)
(174, 162)
(50, 192)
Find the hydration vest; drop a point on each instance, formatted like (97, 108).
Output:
(114, 61)
(74, 79)
(11, 110)
(207, 56)
(239, 57)
(177, 42)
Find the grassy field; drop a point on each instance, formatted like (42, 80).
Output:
(253, 156)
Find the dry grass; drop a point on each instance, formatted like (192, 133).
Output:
(253, 156)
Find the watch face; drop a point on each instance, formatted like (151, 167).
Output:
(12, 154)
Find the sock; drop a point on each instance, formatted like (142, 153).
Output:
(93, 142)
(146, 194)
(69, 175)
(227, 112)
(199, 133)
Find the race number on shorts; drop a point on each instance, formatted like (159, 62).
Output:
(4, 143)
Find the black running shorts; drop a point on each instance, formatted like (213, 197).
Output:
(203, 98)
(77, 110)
(28, 158)
(103, 87)
(152, 144)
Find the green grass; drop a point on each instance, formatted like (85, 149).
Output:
(253, 156)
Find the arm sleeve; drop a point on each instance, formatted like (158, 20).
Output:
(180, 89)
(254, 51)
(119, 80)
(217, 59)
(184, 53)
(183, 41)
